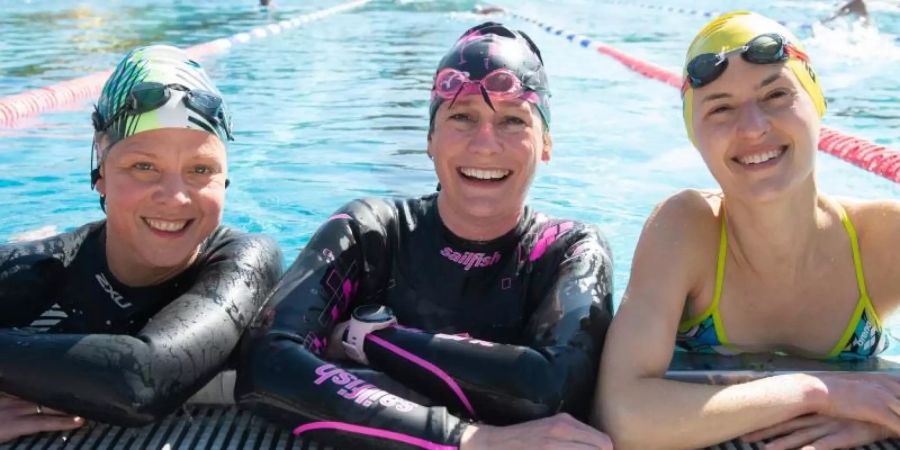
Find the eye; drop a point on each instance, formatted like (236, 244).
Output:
(461, 117)
(718, 110)
(513, 120)
(777, 94)
(142, 166)
(203, 170)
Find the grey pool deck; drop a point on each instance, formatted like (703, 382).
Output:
(193, 427)
(211, 421)
(221, 427)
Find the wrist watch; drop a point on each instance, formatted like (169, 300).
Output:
(364, 320)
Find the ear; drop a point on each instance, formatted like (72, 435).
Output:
(548, 147)
(101, 182)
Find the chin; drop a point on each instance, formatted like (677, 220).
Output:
(488, 208)
(162, 258)
(772, 190)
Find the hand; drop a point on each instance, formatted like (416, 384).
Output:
(335, 349)
(873, 398)
(817, 432)
(561, 431)
(20, 418)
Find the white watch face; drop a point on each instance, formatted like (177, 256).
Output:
(373, 314)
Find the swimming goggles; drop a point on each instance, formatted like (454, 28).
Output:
(147, 96)
(501, 84)
(766, 48)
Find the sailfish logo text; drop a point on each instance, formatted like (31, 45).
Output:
(470, 259)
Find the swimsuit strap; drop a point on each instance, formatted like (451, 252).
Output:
(720, 280)
(854, 245)
(864, 303)
(712, 311)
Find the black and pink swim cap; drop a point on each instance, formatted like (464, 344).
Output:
(492, 46)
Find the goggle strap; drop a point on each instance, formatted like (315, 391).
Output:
(95, 177)
(200, 124)
(458, 91)
(796, 52)
(97, 119)
(487, 99)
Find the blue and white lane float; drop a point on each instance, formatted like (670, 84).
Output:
(874, 158)
(36, 101)
(807, 27)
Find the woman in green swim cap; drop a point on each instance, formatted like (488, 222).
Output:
(123, 319)
(763, 264)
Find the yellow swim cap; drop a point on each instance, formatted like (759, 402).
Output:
(733, 30)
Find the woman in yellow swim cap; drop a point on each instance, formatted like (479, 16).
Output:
(783, 269)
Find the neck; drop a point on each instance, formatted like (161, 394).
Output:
(477, 228)
(132, 272)
(779, 235)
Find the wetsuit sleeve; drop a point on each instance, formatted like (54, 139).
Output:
(134, 380)
(499, 384)
(31, 274)
(284, 376)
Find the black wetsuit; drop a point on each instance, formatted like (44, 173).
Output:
(499, 332)
(74, 338)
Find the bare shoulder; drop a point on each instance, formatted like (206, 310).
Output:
(679, 235)
(686, 215)
(669, 264)
(874, 220)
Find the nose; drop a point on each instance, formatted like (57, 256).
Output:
(753, 123)
(485, 139)
(172, 190)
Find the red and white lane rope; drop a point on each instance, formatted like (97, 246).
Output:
(36, 101)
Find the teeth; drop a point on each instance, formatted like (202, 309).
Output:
(166, 225)
(485, 174)
(760, 157)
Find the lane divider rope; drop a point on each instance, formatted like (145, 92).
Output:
(56, 96)
(875, 158)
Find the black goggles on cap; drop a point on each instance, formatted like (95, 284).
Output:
(769, 48)
(147, 96)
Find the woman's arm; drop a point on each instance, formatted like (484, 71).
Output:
(633, 396)
(500, 383)
(133, 380)
(283, 374)
(32, 272)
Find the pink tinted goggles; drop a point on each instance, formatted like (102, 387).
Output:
(501, 84)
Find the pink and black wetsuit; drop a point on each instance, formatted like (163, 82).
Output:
(499, 332)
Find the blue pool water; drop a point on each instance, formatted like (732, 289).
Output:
(337, 109)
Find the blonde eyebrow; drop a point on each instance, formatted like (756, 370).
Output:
(765, 82)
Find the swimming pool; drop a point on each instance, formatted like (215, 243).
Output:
(337, 109)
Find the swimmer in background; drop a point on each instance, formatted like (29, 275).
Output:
(488, 10)
(855, 8)
(122, 319)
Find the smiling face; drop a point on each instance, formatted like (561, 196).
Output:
(165, 190)
(756, 128)
(485, 161)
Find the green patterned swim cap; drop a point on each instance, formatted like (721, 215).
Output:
(179, 76)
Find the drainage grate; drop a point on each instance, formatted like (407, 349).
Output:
(893, 444)
(192, 427)
(222, 427)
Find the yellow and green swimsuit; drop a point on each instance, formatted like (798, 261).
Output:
(863, 337)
